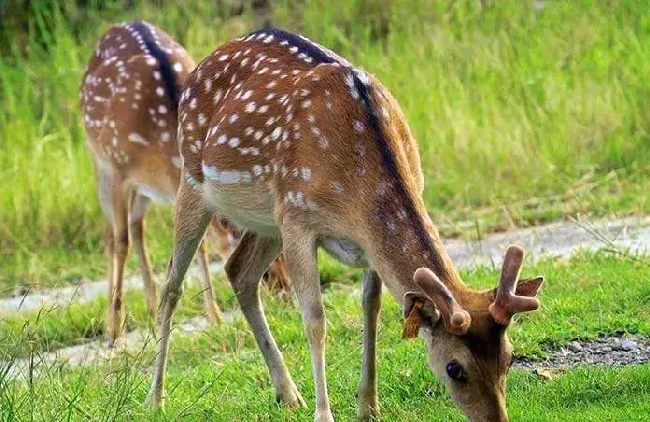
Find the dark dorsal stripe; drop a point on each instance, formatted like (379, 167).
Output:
(319, 55)
(166, 71)
(304, 45)
(390, 165)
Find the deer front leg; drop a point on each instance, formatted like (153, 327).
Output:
(300, 254)
(244, 269)
(110, 251)
(211, 308)
(192, 219)
(139, 205)
(368, 402)
(120, 204)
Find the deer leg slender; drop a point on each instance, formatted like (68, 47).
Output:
(104, 190)
(192, 219)
(300, 254)
(139, 206)
(244, 269)
(368, 402)
(110, 251)
(120, 203)
(211, 308)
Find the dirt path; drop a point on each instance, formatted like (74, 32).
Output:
(96, 352)
(558, 239)
(86, 291)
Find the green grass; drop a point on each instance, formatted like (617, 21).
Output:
(587, 296)
(522, 116)
(219, 374)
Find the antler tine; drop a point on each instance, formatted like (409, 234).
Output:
(507, 303)
(510, 270)
(456, 319)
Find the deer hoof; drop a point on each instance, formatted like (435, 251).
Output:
(291, 397)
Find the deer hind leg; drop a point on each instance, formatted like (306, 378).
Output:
(104, 190)
(139, 206)
(300, 253)
(120, 205)
(368, 402)
(192, 219)
(244, 269)
(211, 308)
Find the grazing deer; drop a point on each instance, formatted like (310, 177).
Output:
(129, 98)
(290, 142)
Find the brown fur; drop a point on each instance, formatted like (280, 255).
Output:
(285, 147)
(131, 126)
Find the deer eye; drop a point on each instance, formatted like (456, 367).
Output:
(455, 371)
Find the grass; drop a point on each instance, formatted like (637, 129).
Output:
(219, 374)
(522, 115)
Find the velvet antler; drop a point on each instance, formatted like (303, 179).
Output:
(512, 297)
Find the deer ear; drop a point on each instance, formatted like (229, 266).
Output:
(529, 287)
(418, 311)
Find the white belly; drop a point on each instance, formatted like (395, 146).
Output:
(249, 206)
(155, 195)
(345, 251)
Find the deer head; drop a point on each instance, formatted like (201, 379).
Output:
(465, 334)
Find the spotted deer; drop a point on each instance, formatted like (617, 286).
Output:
(304, 151)
(129, 98)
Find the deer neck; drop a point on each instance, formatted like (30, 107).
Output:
(403, 241)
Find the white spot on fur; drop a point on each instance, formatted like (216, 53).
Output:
(337, 187)
(247, 94)
(207, 84)
(218, 95)
(306, 174)
(137, 139)
(226, 177)
(276, 133)
(194, 184)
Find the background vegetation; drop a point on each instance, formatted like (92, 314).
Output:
(525, 111)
